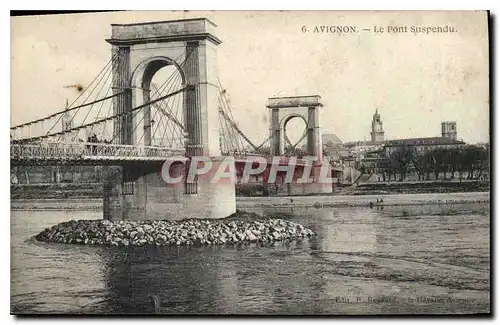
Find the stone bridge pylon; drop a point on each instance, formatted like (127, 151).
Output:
(137, 191)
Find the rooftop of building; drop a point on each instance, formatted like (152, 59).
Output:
(423, 141)
(363, 143)
(408, 141)
(330, 137)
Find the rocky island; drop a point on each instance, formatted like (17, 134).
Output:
(241, 227)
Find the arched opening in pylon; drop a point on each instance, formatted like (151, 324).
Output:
(167, 116)
(295, 135)
(160, 124)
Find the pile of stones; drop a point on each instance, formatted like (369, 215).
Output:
(188, 232)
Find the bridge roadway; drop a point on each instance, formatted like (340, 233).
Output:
(94, 153)
(87, 153)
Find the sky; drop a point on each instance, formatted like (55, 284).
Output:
(416, 81)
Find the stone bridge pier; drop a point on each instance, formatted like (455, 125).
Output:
(138, 192)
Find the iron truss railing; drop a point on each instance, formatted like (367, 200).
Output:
(89, 151)
(283, 160)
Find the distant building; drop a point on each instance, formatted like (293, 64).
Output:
(67, 124)
(333, 148)
(377, 135)
(423, 144)
(368, 153)
(449, 130)
(55, 174)
(448, 140)
(484, 145)
(330, 139)
(359, 148)
(377, 128)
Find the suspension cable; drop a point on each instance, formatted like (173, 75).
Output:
(168, 114)
(175, 103)
(98, 93)
(114, 116)
(144, 115)
(160, 123)
(164, 84)
(102, 72)
(69, 108)
(168, 121)
(153, 117)
(99, 112)
(73, 108)
(231, 118)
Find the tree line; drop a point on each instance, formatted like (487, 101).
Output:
(470, 162)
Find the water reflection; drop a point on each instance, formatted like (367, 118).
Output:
(358, 255)
(399, 253)
(46, 277)
(180, 278)
(247, 279)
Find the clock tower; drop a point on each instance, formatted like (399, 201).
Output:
(377, 128)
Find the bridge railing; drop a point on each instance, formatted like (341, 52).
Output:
(54, 150)
(283, 160)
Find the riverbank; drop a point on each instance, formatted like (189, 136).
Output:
(84, 191)
(416, 187)
(86, 204)
(79, 191)
(295, 201)
(363, 200)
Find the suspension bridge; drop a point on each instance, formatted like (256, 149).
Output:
(129, 118)
(85, 132)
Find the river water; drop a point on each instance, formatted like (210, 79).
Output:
(400, 260)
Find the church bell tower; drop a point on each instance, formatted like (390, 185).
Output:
(377, 133)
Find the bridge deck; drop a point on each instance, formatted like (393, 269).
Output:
(88, 153)
(91, 153)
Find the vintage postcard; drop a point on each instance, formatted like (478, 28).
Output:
(250, 163)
